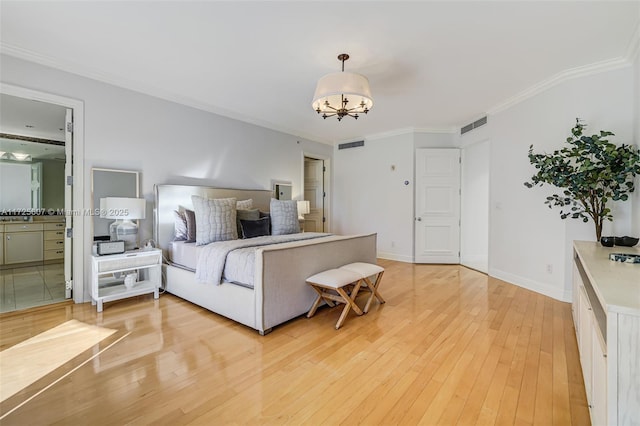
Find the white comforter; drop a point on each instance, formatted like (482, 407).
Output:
(236, 258)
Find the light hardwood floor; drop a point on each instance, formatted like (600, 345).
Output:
(450, 346)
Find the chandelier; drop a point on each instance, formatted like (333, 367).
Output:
(342, 94)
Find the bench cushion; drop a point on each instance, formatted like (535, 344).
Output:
(334, 278)
(364, 269)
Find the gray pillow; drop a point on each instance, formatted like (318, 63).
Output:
(284, 217)
(190, 218)
(215, 219)
(253, 214)
(180, 226)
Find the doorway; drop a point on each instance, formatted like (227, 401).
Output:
(315, 191)
(474, 223)
(41, 127)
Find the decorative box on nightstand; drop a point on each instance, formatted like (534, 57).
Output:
(108, 275)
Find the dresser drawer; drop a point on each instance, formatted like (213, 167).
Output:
(53, 245)
(52, 226)
(54, 235)
(22, 227)
(54, 254)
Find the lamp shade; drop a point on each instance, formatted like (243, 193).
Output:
(122, 208)
(331, 88)
(303, 208)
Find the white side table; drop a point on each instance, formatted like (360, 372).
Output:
(108, 273)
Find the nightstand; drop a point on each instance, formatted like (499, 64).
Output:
(108, 275)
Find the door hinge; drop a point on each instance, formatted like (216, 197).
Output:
(324, 194)
(324, 219)
(69, 232)
(70, 127)
(324, 169)
(69, 285)
(70, 180)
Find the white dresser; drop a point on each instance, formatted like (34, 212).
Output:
(606, 313)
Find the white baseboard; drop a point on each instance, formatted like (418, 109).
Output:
(538, 287)
(395, 256)
(477, 262)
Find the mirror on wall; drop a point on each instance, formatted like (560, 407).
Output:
(110, 183)
(282, 191)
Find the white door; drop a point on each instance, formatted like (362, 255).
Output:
(315, 194)
(437, 206)
(68, 202)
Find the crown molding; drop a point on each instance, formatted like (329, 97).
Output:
(91, 73)
(570, 74)
(633, 49)
(403, 131)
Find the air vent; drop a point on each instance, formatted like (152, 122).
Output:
(351, 145)
(469, 127)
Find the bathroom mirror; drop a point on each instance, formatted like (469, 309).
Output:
(110, 183)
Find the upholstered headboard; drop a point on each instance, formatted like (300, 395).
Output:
(170, 197)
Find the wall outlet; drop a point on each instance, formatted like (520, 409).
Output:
(393, 243)
(549, 269)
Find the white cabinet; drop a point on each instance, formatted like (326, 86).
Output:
(606, 309)
(23, 243)
(108, 275)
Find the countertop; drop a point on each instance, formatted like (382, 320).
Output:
(616, 284)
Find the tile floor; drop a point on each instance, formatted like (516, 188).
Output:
(30, 286)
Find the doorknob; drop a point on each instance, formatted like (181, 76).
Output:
(419, 219)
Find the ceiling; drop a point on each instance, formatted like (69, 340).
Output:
(431, 65)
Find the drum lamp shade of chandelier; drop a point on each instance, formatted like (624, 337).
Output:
(342, 94)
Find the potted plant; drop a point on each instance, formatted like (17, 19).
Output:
(591, 171)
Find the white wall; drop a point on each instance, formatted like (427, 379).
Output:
(529, 243)
(167, 142)
(370, 196)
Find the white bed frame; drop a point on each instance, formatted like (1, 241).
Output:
(280, 292)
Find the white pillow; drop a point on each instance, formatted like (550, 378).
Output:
(215, 219)
(284, 217)
(245, 204)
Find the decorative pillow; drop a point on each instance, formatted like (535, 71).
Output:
(180, 226)
(246, 215)
(190, 218)
(284, 217)
(255, 228)
(245, 204)
(215, 219)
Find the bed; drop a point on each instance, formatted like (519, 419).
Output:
(278, 292)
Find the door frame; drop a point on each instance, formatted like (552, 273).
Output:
(326, 184)
(79, 218)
